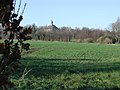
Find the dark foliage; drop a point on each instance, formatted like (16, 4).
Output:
(11, 49)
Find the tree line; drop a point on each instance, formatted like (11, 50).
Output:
(85, 34)
(67, 34)
(110, 35)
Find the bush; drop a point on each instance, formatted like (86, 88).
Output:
(106, 40)
(88, 40)
(79, 41)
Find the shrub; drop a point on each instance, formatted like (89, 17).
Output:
(88, 40)
(79, 41)
(100, 39)
(107, 41)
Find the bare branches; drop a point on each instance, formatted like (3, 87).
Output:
(19, 7)
(24, 8)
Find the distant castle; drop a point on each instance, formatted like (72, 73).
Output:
(51, 27)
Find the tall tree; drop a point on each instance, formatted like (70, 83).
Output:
(116, 30)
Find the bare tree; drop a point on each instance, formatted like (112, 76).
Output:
(116, 30)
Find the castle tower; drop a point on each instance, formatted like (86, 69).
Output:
(52, 23)
(52, 26)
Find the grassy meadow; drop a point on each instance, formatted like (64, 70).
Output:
(69, 66)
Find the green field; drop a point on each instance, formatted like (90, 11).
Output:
(70, 66)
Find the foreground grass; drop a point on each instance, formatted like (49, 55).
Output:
(70, 66)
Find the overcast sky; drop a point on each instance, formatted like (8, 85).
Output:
(71, 13)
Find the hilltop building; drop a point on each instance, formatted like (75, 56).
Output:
(51, 27)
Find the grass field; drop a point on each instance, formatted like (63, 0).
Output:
(70, 66)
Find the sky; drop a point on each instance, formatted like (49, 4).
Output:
(71, 13)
